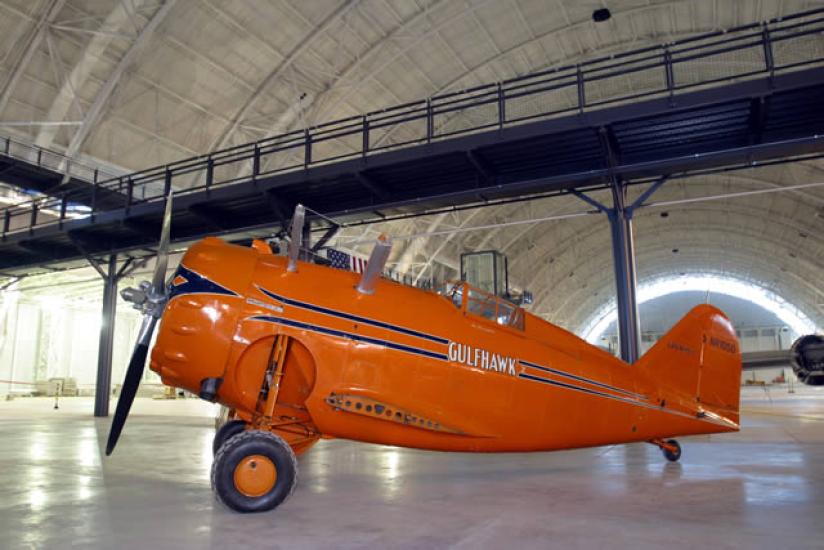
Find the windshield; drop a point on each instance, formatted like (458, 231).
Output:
(485, 305)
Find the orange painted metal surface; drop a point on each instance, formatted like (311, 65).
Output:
(413, 368)
(255, 475)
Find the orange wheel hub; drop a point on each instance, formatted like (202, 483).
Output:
(255, 475)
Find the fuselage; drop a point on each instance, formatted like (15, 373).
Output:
(404, 366)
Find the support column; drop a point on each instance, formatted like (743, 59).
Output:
(623, 254)
(103, 387)
(105, 350)
(623, 261)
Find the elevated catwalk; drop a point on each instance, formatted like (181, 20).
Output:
(631, 117)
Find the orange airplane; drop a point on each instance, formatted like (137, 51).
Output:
(299, 351)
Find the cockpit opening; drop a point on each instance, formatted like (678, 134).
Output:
(476, 302)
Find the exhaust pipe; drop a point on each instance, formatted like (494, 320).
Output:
(296, 240)
(374, 267)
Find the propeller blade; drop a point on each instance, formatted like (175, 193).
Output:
(159, 277)
(152, 303)
(134, 373)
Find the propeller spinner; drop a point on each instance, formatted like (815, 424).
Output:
(150, 298)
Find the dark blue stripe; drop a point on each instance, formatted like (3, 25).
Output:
(196, 284)
(571, 387)
(356, 337)
(351, 317)
(581, 379)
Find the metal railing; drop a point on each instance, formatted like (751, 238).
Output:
(52, 160)
(757, 49)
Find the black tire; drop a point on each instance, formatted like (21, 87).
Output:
(242, 446)
(227, 432)
(673, 456)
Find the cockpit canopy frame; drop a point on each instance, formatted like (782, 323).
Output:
(474, 301)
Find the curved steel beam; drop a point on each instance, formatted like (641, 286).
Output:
(597, 256)
(579, 317)
(39, 33)
(414, 246)
(576, 317)
(503, 53)
(431, 257)
(96, 108)
(279, 71)
(743, 239)
(118, 18)
(593, 232)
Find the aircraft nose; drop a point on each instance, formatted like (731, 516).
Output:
(194, 342)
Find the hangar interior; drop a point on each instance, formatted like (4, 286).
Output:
(627, 159)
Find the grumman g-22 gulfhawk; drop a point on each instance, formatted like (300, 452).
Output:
(299, 351)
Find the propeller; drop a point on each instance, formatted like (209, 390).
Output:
(150, 298)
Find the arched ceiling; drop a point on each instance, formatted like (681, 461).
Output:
(135, 83)
(661, 313)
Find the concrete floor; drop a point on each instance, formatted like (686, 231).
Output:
(761, 488)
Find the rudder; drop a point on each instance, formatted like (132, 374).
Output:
(697, 364)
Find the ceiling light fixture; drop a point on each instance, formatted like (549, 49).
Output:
(601, 15)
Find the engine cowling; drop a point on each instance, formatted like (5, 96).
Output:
(807, 356)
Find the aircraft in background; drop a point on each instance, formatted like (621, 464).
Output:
(300, 351)
(805, 356)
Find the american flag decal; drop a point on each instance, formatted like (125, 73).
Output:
(342, 260)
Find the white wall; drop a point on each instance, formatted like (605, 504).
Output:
(42, 339)
(8, 312)
(19, 346)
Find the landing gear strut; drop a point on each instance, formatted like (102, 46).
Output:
(255, 468)
(671, 448)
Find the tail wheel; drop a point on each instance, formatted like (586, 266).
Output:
(254, 471)
(226, 432)
(673, 453)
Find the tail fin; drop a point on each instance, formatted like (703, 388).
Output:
(698, 363)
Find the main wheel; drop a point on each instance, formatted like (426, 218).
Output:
(672, 456)
(226, 432)
(254, 471)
